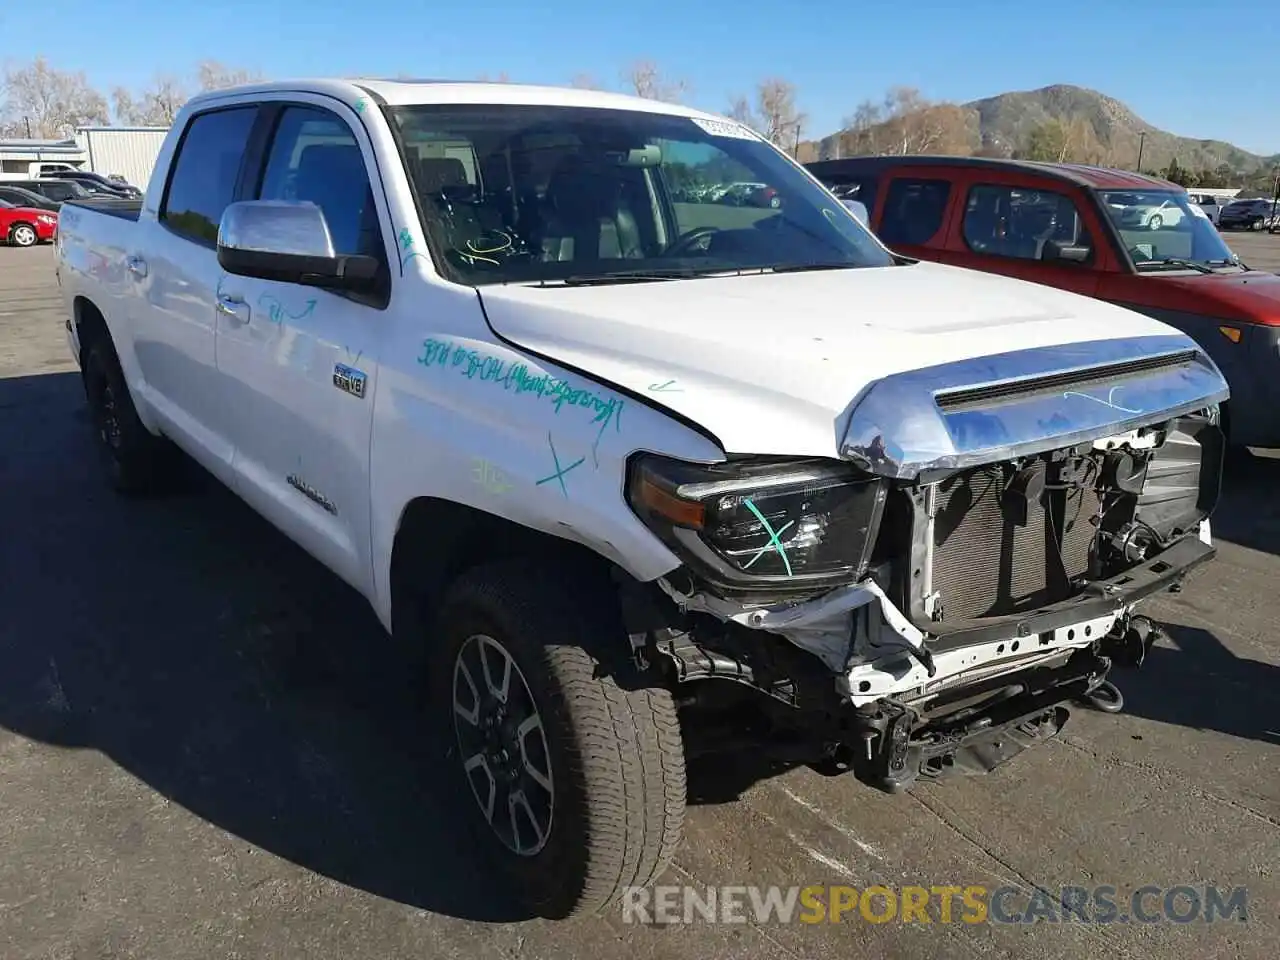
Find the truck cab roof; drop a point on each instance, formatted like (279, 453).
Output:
(411, 92)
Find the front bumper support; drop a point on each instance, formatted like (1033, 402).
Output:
(979, 740)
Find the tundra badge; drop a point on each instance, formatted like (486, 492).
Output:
(349, 379)
(311, 493)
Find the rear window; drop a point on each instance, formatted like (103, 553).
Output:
(913, 210)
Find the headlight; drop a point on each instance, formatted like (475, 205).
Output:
(756, 526)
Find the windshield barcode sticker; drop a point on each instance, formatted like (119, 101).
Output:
(724, 128)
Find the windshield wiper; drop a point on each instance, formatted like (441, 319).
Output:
(1175, 262)
(640, 276)
(802, 267)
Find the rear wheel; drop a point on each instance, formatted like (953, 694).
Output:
(571, 768)
(23, 235)
(136, 461)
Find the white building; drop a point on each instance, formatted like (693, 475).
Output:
(129, 151)
(20, 159)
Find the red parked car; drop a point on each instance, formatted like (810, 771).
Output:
(26, 226)
(1131, 239)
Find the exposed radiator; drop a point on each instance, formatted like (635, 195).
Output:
(984, 565)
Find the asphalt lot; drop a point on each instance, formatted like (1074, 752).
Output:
(206, 749)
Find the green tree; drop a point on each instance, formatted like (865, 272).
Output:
(1046, 142)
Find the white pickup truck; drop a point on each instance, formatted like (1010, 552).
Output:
(642, 478)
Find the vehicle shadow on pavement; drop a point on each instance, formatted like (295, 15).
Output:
(1248, 511)
(1205, 686)
(204, 653)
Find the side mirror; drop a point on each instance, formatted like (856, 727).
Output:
(858, 209)
(289, 242)
(1067, 252)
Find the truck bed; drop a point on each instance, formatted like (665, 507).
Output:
(122, 207)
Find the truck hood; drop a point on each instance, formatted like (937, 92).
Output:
(775, 364)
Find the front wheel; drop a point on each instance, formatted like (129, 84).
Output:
(571, 767)
(23, 235)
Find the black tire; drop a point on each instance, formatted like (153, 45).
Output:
(23, 235)
(613, 747)
(136, 461)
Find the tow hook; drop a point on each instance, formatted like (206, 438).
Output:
(1128, 648)
(1131, 646)
(1106, 697)
(1100, 693)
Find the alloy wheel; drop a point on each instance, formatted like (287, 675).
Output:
(24, 236)
(502, 745)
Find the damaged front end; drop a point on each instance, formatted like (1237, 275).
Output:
(928, 603)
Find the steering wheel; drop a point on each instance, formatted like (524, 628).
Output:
(683, 244)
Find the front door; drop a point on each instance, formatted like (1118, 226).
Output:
(299, 362)
(1018, 225)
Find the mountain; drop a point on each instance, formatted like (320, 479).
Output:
(1011, 117)
(1099, 129)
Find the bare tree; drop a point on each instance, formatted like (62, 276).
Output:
(904, 122)
(586, 81)
(740, 110)
(646, 80)
(213, 75)
(156, 106)
(782, 121)
(774, 114)
(49, 103)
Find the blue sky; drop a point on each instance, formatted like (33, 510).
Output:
(1161, 60)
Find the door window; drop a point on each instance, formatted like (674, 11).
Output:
(1023, 223)
(203, 182)
(314, 157)
(914, 210)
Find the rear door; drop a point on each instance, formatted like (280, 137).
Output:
(173, 267)
(1025, 226)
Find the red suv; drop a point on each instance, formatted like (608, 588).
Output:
(1133, 240)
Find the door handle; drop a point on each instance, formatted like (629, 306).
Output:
(136, 265)
(230, 304)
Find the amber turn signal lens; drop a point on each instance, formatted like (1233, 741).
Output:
(1231, 333)
(682, 513)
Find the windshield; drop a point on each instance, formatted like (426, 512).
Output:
(1162, 225)
(513, 193)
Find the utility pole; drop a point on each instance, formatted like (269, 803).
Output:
(1142, 142)
(27, 121)
(1275, 200)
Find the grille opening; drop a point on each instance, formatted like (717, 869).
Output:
(957, 400)
(985, 565)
